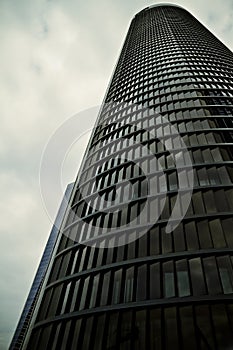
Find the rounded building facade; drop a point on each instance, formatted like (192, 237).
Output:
(118, 279)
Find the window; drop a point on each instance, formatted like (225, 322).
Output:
(65, 298)
(213, 176)
(222, 329)
(211, 274)
(204, 234)
(112, 324)
(105, 289)
(87, 336)
(169, 284)
(198, 204)
(94, 288)
(191, 236)
(155, 281)
(225, 279)
(226, 274)
(83, 299)
(202, 176)
(154, 241)
(179, 240)
(172, 179)
(142, 245)
(129, 282)
(205, 333)
(197, 278)
(171, 332)
(217, 233)
(98, 340)
(116, 286)
(155, 329)
(182, 278)
(224, 176)
(188, 330)
(166, 241)
(141, 283)
(126, 332)
(53, 307)
(139, 330)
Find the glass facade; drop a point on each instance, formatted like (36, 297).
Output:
(26, 316)
(160, 291)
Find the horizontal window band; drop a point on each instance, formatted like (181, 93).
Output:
(154, 67)
(152, 128)
(160, 154)
(152, 155)
(141, 200)
(161, 222)
(189, 72)
(204, 188)
(170, 94)
(124, 86)
(164, 303)
(171, 136)
(165, 78)
(148, 260)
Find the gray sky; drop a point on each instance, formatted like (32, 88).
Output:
(57, 57)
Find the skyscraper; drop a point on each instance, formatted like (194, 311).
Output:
(25, 318)
(121, 277)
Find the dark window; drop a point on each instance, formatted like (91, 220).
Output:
(168, 280)
(105, 289)
(116, 287)
(139, 331)
(171, 331)
(129, 284)
(211, 274)
(155, 329)
(126, 331)
(141, 283)
(197, 278)
(182, 278)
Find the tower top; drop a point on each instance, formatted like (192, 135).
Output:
(162, 4)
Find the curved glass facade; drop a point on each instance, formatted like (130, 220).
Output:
(162, 290)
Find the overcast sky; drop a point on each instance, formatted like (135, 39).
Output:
(56, 59)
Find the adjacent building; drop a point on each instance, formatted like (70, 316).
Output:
(25, 318)
(118, 279)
